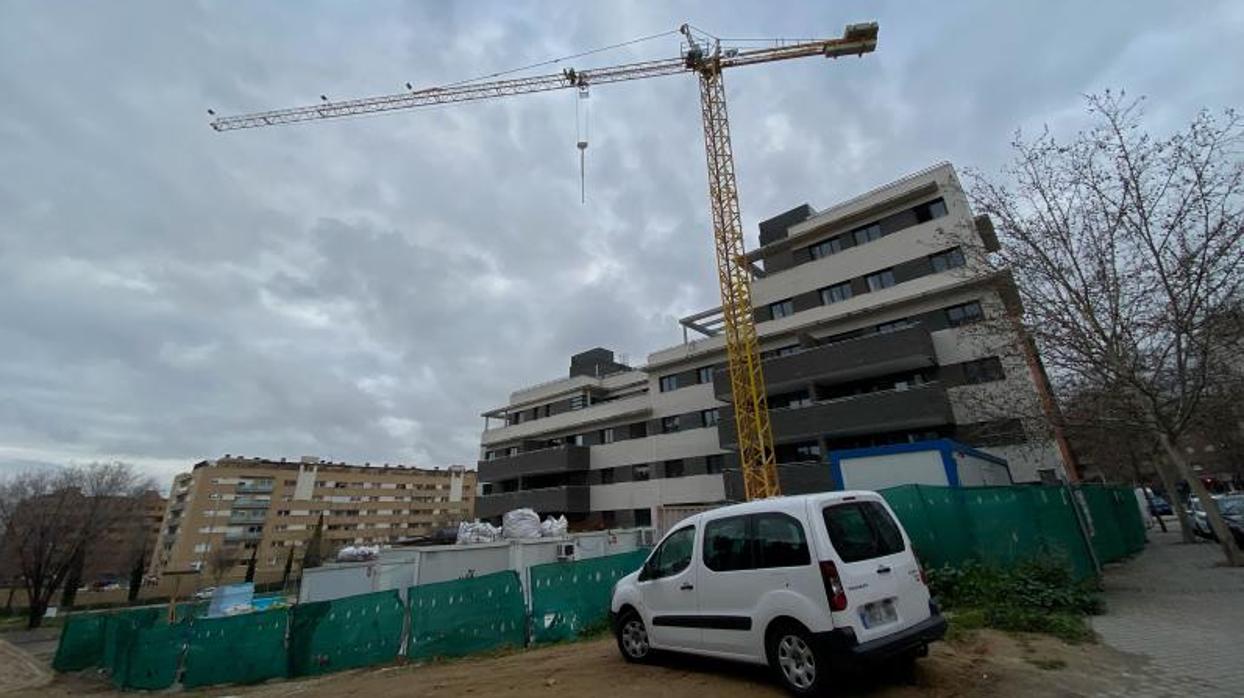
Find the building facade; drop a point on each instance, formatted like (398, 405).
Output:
(880, 322)
(226, 509)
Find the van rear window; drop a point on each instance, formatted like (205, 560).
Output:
(862, 531)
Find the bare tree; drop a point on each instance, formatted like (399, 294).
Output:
(219, 561)
(51, 518)
(1127, 250)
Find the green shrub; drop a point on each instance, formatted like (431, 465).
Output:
(1038, 595)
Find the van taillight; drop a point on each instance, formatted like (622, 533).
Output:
(833, 587)
(924, 578)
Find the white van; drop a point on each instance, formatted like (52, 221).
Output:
(804, 584)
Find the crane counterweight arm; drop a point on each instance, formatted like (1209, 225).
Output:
(857, 39)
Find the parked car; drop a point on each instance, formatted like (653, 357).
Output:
(808, 585)
(1158, 506)
(1232, 509)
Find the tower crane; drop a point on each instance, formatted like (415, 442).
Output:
(705, 57)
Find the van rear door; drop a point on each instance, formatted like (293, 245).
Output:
(877, 567)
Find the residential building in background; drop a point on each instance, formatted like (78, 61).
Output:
(880, 322)
(239, 505)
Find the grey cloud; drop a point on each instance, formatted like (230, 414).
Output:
(363, 289)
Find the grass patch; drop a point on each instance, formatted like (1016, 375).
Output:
(1038, 596)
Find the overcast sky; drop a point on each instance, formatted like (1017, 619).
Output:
(362, 290)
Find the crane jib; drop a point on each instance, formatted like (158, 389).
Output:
(757, 460)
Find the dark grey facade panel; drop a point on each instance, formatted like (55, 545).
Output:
(912, 269)
(807, 300)
(571, 499)
(886, 411)
(548, 460)
(859, 286)
(776, 228)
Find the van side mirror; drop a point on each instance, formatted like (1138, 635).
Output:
(646, 572)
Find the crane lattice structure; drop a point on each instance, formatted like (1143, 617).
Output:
(707, 59)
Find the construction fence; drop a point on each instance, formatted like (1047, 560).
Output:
(142, 649)
(1003, 525)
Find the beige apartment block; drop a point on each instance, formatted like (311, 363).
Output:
(230, 507)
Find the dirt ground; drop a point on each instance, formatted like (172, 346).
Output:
(986, 663)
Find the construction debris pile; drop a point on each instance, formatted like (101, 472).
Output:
(520, 524)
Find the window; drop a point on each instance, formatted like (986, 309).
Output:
(704, 374)
(578, 402)
(639, 472)
(782, 309)
(672, 556)
(606, 435)
(826, 247)
(931, 210)
(836, 293)
(639, 430)
(710, 417)
(862, 531)
(726, 545)
(669, 383)
(964, 314)
(675, 468)
(780, 542)
(576, 440)
(606, 476)
(643, 517)
(867, 234)
(880, 280)
(714, 465)
(950, 259)
(983, 371)
(669, 425)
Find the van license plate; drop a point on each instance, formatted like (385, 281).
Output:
(878, 613)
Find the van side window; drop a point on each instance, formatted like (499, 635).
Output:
(862, 531)
(672, 556)
(780, 541)
(726, 545)
(755, 541)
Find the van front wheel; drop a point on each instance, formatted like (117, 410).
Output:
(632, 637)
(796, 660)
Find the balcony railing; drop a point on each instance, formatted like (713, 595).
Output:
(235, 537)
(557, 459)
(246, 517)
(871, 413)
(255, 488)
(247, 503)
(567, 499)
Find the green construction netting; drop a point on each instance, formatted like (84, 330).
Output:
(126, 621)
(245, 648)
(356, 631)
(1001, 525)
(81, 642)
(147, 657)
(569, 597)
(450, 619)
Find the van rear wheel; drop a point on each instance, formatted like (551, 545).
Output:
(633, 637)
(794, 655)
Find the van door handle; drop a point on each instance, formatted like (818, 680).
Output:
(883, 570)
(686, 586)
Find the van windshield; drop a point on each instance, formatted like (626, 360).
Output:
(862, 531)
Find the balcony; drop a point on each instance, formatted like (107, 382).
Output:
(264, 487)
(907, 349)
(243, 536)
(885, 411)
(247, 503)
(546, 460)
(247, 517)
(568, 499)
(599, 412)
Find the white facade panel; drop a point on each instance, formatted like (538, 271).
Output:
(890, 470)
(693, 489)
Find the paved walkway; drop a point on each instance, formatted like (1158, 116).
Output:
(1174, 606)
(19, 671)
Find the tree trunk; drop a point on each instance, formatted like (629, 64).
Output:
(34, 614)
(1177, 503)
(74, 579)
(1234, 557)
(136, 577)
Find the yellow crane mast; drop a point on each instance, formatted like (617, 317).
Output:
(706, 58)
